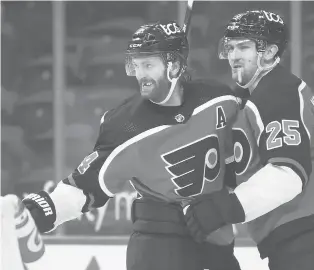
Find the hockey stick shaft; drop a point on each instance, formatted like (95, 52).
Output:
(188, 15)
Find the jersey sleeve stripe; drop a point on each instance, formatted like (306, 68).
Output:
(214, 101)
(103, 117)
(259, 121)
(91, 202)
(71, 180)
(295, 165)
(118, 150)
(302, 86)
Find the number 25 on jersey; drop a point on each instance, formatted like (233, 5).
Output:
(289, 129)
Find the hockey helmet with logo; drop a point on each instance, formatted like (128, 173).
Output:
(261, 26)
(165, 39)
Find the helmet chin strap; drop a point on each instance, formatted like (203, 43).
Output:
(258, 71)
(173, 84)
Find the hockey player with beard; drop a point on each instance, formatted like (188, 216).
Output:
(172, 141)
(273, 137)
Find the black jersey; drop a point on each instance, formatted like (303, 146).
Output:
(168, 153)
(277, 126)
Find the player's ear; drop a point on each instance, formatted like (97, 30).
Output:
(175, 69)
(270, 52)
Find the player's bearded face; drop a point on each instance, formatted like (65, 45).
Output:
(151, 76)
(242, 56)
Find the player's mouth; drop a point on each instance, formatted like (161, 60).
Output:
(147, 84)
(237, 66)
(147, 87)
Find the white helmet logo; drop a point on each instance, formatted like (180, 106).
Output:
(136, 45)
(273, 17)
(170, 28)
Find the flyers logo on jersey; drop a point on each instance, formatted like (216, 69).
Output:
(193, 164)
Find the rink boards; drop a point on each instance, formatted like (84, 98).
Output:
(109, 253)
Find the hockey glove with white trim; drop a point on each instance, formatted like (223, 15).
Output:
(42, 210)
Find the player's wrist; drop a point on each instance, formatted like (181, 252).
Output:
(236, 213)
(229, 206)
(42, 210)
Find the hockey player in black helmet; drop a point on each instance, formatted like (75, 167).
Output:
(273, 143)
(253, 43)
(172, 142)
(157, 56)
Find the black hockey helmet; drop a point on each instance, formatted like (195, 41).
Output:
(165, 39)
(261, 26)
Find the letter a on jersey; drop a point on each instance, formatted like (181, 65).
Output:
(221, 120)
(192, 164)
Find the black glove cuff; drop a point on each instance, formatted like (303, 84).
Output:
(42, 210)
(238, 211)
(232, 210)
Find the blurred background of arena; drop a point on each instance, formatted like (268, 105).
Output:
(62, 67)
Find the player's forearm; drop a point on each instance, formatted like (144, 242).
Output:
(267, 189)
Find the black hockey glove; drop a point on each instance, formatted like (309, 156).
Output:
(207, 213)
(42, 210)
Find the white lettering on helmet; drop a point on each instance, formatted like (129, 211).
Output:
(273, 17)
(238, 16)
(233, 27)
(170, 28)
(136, 45)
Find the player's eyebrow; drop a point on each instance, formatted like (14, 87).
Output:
(139, 61)
(148, 61)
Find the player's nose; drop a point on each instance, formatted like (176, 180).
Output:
(235, 54)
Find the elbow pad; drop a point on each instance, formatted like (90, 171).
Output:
(42, 209)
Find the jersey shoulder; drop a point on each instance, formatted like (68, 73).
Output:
(215, 100)
(123, 108)
(277, 95)
(209, 88)
(115, 127)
